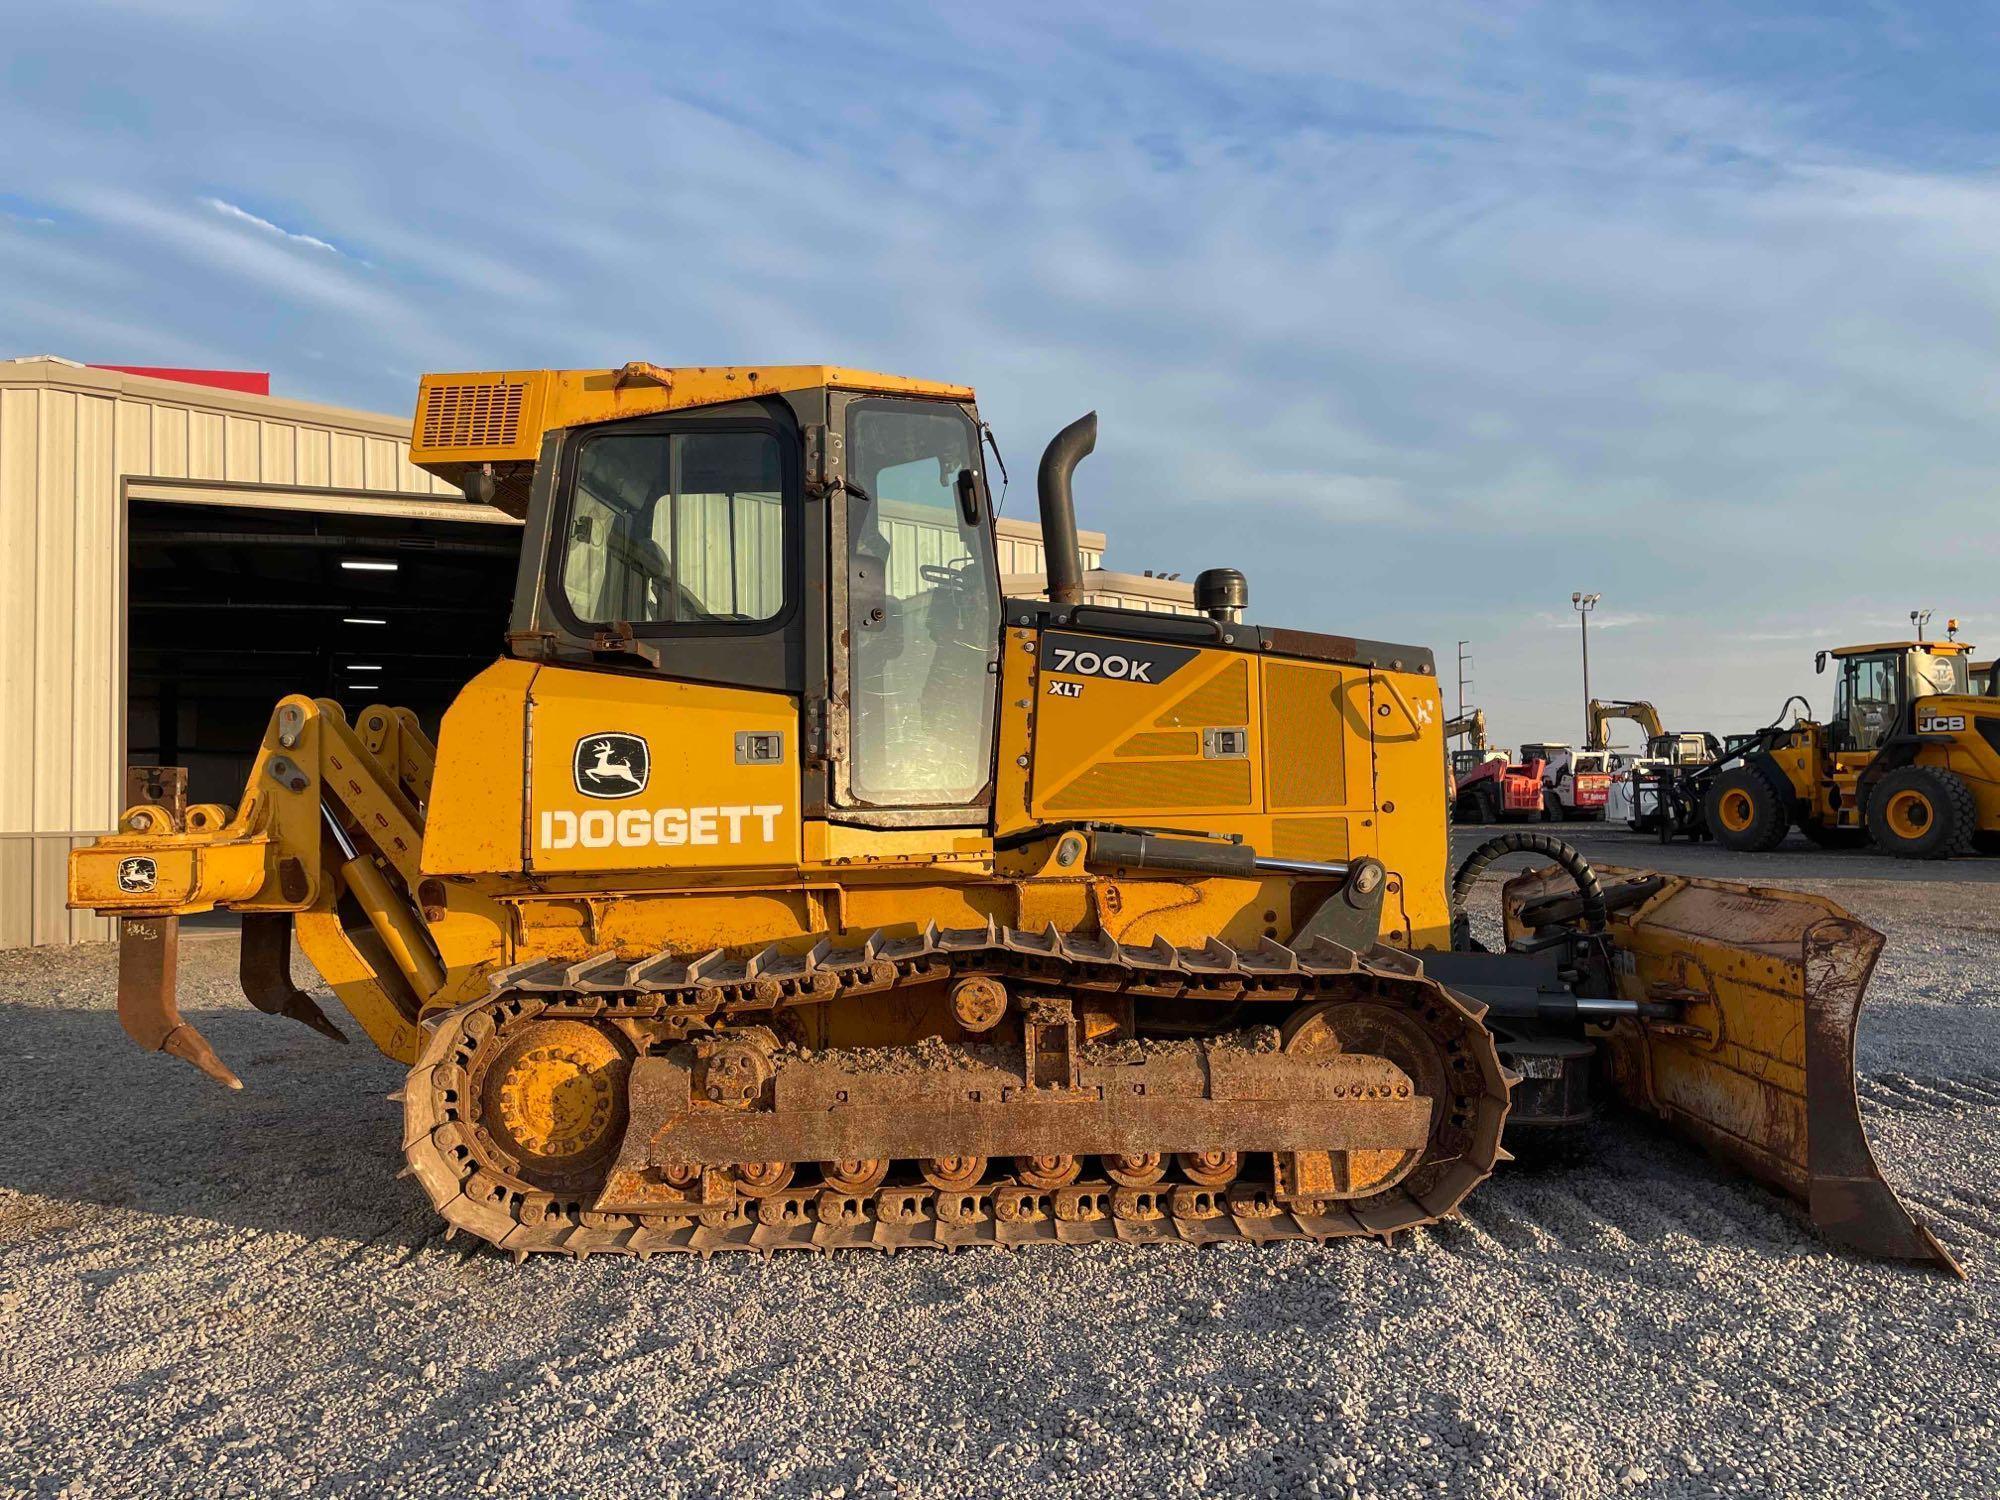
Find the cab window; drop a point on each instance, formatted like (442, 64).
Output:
(681, 528)
(1867, 700)
(1939, 674)
(923, 607)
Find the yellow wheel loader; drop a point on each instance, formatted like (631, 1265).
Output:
(783, 885)
(1910, 760)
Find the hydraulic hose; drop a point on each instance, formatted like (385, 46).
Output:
(1574, 865)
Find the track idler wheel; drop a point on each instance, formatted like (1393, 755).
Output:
(1138, 1171)
(1451, 1059)
(862, 1175)
(1047, 1172)
(952, 1173)
(1337, 1026)
(1209, 1169)
(762, 1179)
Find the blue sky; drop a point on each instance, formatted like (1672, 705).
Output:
(1424, 316)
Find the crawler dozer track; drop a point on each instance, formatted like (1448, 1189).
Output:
(607, 1106)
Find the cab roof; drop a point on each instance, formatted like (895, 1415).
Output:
(498, 416)
(1936, 648)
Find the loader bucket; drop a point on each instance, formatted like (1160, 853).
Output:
(1757, 1062)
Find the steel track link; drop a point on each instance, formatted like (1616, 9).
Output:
(474, 1196)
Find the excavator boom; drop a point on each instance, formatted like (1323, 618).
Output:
(1469, 726)
(1603, 711)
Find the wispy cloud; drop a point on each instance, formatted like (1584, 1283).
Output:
(261, 259)
(243, 216)
(1601, 620)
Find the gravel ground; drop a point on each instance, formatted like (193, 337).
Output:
(212, 1294)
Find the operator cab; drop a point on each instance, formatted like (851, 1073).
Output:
(1564, 760)
(822, 533)
(1878, 683)
(759, 609)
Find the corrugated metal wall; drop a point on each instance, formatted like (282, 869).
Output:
(1020, 546)
(68, 437)
(1159, 596)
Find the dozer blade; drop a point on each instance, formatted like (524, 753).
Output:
(1758, 1062)
(149, 950)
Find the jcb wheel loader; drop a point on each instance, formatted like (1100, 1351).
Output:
(784, 886)
(1909, 761)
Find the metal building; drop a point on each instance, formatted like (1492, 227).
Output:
(176, 555)
(160, 543)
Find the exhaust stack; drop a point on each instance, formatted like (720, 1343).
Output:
(1065, 451)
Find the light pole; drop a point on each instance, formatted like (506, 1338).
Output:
(1584, 604)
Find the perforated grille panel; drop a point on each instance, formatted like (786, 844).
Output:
(1223, 699)
(1162, 742)
(1165, 783)
(486, 415)
(1309, 838)
(1302, 750)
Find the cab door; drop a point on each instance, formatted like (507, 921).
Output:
(1867, 703)
(916, 614)
(663, 734)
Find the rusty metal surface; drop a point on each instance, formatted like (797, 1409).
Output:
(1851, 1202)
(1757, 1064)
(158, 786)
(672, 1193)
(959, 1104)
(148, 965)
(265, 970)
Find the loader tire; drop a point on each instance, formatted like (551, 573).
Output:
(1746, 812)
(1922, 812)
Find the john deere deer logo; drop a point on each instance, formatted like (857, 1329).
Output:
(612, 765)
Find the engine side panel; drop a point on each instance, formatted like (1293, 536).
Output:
(1304, 760)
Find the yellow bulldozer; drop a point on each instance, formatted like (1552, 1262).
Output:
(783, 885)
(1909, 760)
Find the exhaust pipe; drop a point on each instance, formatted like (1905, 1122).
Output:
(1059, 460)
